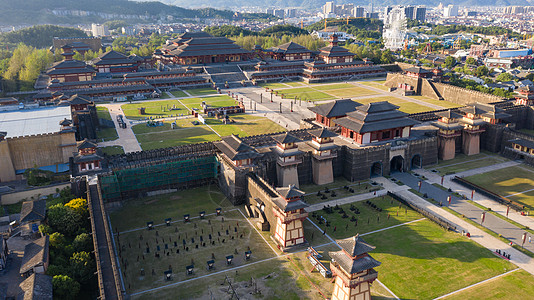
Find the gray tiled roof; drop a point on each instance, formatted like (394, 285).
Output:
(290, 48)
(355, 245)
(33, 211)
(289, 206)
(354, 266)
(233, 147)
(374, 126)
(523, 142)
(285, 138)
(36, 287)
(35, 253)
(446, 126)
(322, 133)
(337, 108)
(289, 192)
(449, 114)
(486, 110)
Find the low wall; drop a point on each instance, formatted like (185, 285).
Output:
(15, 197)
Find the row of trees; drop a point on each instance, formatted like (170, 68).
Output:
(24, 66)
(248, 42)
(277, 31)
(38, 36)
(72, 265)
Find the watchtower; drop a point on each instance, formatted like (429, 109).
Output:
(288, 159)
(526, 96)
(449, 130)
(352, 268)
(324, 152)
(290, 214)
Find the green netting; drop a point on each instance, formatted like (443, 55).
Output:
(154, 176)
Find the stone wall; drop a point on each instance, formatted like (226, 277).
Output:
(260, 192)
(15, 197)
(41, 150)
(510, 134)
(463, 96)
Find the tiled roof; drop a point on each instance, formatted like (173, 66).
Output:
(85, 144)
(289, 206)
(36, 287)
(233, 147)
(523, 142)
(289, 192)
(337, 108)
(355, 245)
(33, 211)
(322, 133)
(285, 138)
(290, 48)
(449, 114)
(35, 253)
(354, 266)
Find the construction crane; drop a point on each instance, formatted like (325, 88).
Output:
(347, 20)
(325, 24)
(301, 24)
(405, 44)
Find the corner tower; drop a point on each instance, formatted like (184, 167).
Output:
(353, 269)
(288, 159)
(324, 152)
(290, 214)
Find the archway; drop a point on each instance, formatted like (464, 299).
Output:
(396, 164)
(416, 162)
(376, 169)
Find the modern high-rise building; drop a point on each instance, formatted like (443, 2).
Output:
(408, 12)
(280, 13)
(291, 13)
(99, 30)
(450, 11)
(329, 8)
(371, 15)
(358, 12)
(420, 13)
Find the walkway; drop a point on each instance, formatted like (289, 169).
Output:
(492, 222)
(127, 137)
(479, 198)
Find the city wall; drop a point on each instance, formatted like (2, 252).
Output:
(15, 197)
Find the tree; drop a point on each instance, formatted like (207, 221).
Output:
(504, 77)
(471, 61)
(65, 220)
(65, 287)
(82, 266)
(57, 240)
(530, 76)
(78, 205)
(450, 61)
(82, 242)
(482, 71)
(45, 229)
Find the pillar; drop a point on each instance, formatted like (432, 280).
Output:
(322, 171)
(470, 143)
(447, 148)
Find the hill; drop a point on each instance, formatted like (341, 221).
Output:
(76, 12)
(38, 36)
(319, 3)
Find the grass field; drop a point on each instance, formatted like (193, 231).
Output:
(103, 113)
(107, 134)
(155, 109)
(305, 93)
(509, 181)
(201, 91)
(336, 186)
(404, 105)
(423, 261)
(274, 85)
(369, 219)
(179, 94)
(463, 162)
(187, 133)
(214, 101)
(514, 286)
(442, 103)
(112, 150)
(528, 131)
(379, 84)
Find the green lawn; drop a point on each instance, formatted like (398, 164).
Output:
(328, 87)
(156, 109)
(179, 94)
(295, 83)
(369, 219)
(137, 211)
(423, 261)
(245, 126)
(528, 131)
(181, 123)
(337, 186)
(376, 84)
(508, 181)
(351, 92)
(176, 137)
(305, 93)
(103, 113)
(274, 85)
(201, 91)
(112, 150)
(107, 134)
(513, 286)
(214, 101)
(442, 103)
(464, 163)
